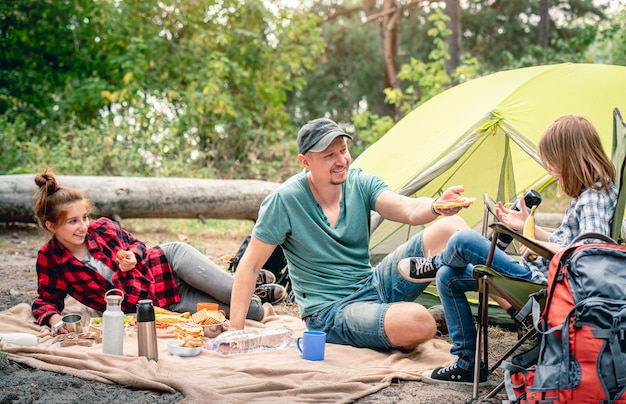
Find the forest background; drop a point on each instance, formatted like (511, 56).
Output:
(218, 89)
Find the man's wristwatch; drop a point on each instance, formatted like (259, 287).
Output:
(432, 207)
(56, 326)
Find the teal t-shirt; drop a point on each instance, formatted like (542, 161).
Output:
(325, 263)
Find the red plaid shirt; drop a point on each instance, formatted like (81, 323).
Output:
(60, 274)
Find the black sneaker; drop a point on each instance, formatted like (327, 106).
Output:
(270, 293)
(418, 269)
(264, 277)
(453, 374)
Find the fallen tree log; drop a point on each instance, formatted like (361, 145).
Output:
(141, 197)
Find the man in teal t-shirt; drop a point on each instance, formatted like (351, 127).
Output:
(321, 217)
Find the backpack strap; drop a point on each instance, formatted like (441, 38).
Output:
(563, 256)
(532, 306)
(613, 336)
(593, 235)
(510, 386)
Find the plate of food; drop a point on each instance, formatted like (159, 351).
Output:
(179, 347)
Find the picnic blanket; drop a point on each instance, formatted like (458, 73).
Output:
(346, 374)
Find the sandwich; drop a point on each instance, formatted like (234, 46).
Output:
(190, 333)
(457, 203)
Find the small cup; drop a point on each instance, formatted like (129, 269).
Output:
(314, 343)
(73, 323)
(208, 306)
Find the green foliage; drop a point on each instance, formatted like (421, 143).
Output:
(616, 39)
(503, 35)
(236, 81)
(28, 29)
(421, 80)
(350, 76)
(618, 49)
(117, 150)
(183, 84)
(369, 128)
(424, 80)
(219, 88)
(14, 158)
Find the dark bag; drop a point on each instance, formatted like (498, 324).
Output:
(582, 356)
(276, 263)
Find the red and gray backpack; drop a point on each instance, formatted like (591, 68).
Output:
(582, 356)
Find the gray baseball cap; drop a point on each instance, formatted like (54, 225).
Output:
(317, 134)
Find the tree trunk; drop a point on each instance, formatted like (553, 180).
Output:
(453, 10)
(390, 43)
(388, 18)
(543, 34)
(136, 197)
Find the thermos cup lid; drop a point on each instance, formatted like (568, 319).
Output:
(145, 310)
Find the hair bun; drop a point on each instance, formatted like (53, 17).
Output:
(47, 181)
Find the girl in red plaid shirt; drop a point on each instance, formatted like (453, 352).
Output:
(80, 260)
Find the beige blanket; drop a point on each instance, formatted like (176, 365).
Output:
(346, 374)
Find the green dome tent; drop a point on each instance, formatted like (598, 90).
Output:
(482, 134)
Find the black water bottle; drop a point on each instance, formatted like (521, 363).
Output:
(146, 330)
(532, 198)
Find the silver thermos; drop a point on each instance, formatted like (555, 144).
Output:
(146, 330)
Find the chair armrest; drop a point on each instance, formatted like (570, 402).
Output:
(536, 247)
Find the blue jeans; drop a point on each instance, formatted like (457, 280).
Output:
(358, 319)
(465, 249)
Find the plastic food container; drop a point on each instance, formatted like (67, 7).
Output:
(213, 330)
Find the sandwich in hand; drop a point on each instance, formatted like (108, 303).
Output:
(457, 203)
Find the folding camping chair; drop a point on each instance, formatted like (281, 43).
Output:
(516, 291)
(513, 290)
(618, 157)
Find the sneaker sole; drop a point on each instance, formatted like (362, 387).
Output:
(429, 380)
(272, 303)
(278, 300)
(414, 280)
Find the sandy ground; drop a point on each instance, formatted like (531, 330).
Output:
(20, 384)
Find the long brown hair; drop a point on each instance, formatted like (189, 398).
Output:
(571, 145)
(52, 199)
